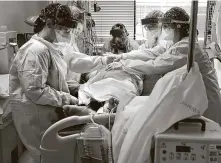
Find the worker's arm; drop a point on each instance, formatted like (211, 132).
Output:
(173, 58)
(144, 54)
(144, 45)
(33, 75)
(83, 64)
(133, 45)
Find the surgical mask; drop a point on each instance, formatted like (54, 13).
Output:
(62, 38)
(166, 38)
(167, 34)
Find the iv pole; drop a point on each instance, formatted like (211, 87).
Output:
(192, 34)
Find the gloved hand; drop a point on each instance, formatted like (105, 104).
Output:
(73, 87)
(114, 66)
(110, 59)
(74, 100)
(71, 110)
(118, 58)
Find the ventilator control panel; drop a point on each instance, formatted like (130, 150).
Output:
(177, 152)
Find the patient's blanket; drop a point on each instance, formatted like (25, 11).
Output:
(116, 84)
(176, 96)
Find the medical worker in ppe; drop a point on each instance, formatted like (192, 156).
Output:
(78, 62)
(37, 78)
(176, 30)
(73, 79)
(153, 30)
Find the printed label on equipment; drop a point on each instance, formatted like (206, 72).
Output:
(193, 157)
(178, 156)
(219, 153)
(171, 156)
(213, 153)
(185, 157)
(212, 146)
(163, 145)
(213, 159)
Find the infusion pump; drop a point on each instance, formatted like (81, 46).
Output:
(190, 143)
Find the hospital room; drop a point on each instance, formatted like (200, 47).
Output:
(110, 81)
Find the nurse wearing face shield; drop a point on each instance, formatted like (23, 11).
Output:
(176, 31)
(153, 30)
(151, 48)
(37, 78)
(77, 62)
(67, 42)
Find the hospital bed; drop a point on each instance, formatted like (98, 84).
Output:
(193, 140)
(58, 145)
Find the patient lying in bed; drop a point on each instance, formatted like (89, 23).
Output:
(116, 84)
(108, 85)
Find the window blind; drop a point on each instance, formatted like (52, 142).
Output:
(113, 12)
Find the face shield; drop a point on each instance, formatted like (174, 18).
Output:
(153, 30)
(64, 23)
(78, 30)
(62, 34)
(169, 26)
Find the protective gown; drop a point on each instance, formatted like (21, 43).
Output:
(145, 54)
(176, 57)
(71, 76)
(37, 87)
(216, 20)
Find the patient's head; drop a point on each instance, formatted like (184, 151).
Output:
(119, 41)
